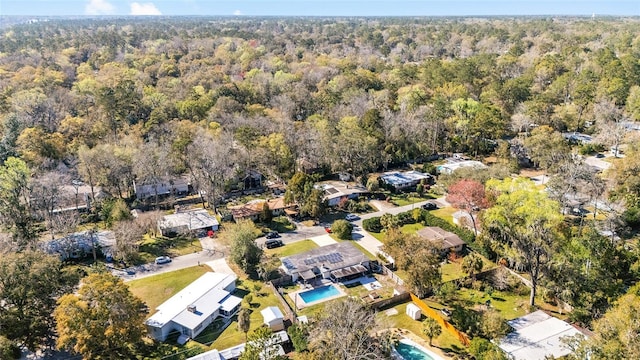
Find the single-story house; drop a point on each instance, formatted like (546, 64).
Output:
(450, 241)
(193, 308)
(81, 244)
(452, 166)
(234, 352)
(337, 191)
(273, 318)
(577, 138)
(405, 179)
(253, 209)
(178, 186)
(537, 336)
(199, 221)
(338, 262)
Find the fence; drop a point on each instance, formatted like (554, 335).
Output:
(428, 311)
(289, 312)
(380, 304)
(392, 275)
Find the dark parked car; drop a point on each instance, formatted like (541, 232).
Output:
(272, 235)
(599, 155)
(430, 206)
(273, 243)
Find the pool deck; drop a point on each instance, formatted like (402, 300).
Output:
(301, 304)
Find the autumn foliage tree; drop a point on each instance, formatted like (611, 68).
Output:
(468, 195)
(103, 320)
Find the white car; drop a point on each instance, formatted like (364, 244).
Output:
(351, 217)
(162, 260)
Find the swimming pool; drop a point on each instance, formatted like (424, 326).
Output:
(409, 351)
(318, 294)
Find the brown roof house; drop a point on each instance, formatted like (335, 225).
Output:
(252, 209)
(450, 241)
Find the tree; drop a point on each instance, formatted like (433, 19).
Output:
(468, 195)
(102, 320)
(472, 264)
(525, 222)
(299, 335)
(610, 121)
(342, 229)
(9, 350)
(244, 251)
(431, 328)
(483, 349)
(29, 284)
(265, 213)
(244, 321)
(15, 213)
(546, 147)
(261, 345)
(616, 334)
(343, 331)
(418, 258)
(301, 190)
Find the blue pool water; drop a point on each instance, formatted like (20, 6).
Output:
(319, 293)
(409, 352)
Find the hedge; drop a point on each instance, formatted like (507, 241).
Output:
(372, 225)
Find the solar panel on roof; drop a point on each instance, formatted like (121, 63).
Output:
(331, 191)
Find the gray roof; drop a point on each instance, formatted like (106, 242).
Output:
(332, 257)
(192, 220)
(434, 233)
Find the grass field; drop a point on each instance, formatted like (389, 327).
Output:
(292, 249)
(154, 290)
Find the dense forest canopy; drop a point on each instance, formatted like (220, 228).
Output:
(117, 100)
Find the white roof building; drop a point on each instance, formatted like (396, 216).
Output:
(234, 352)
(187, 221)
(536, 336)
(401, 180)
(453, 166)
(273, 318)
(196, 306)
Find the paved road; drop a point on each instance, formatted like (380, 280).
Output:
(212, 250)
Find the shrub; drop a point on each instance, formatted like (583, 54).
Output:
(342, 229)
(372, 225)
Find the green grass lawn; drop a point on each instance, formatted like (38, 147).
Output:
(453, 270)
(154, 290)
(403, 199)
(445, 213)
(292, 249)
(446, 341)
(231, 335)
(152, 247)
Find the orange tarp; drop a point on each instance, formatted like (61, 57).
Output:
(428, 311)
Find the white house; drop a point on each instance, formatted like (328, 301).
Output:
(195, 307)
(337, 191)
(537, 336)
(273, 318)
(81, 244)
(161, 187)
(406, 179)
(455, 165)
(187, 221)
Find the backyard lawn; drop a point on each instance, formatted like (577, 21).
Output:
(154, 290)
(262, 297)
(453, 270)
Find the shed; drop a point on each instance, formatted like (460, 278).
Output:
(414, 311)
(273, 318)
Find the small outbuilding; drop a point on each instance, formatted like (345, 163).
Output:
(414, 311)
(273, 318)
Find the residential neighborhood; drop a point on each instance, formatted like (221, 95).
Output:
(246, 185)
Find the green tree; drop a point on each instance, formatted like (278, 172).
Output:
(546, 147)
(431, 329)
(342, 229)
(29, 284)
(301, 190)
(244, 251)
(418, 258)
(15, 214)
(525, 223)
(9, 350)
(299, 335)
(244, 321)
(261, 345)
(102, 320)
(615, 335)
(472, 264)
(265, 213)
(483, 349)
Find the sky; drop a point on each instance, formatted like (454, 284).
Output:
(320, 7)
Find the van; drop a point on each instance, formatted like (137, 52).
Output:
(273, 243)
